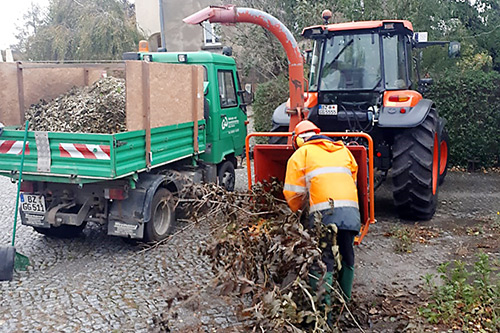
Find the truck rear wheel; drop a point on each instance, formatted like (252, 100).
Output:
(226, 175)
(62, 231)
(162, 216)
(415, 170)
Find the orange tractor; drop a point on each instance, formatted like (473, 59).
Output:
(360, 83)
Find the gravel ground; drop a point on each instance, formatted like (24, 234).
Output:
(100, 283)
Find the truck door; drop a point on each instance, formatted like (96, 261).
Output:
(232, 116)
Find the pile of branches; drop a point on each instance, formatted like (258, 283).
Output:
(263, 254)
(99, 108)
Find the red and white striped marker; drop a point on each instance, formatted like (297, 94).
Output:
(78, 150)
(13, 147)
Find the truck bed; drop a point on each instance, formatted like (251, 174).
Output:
(84, 158)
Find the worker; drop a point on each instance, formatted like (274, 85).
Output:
(322, 173)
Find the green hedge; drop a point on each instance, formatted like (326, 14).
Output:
(470, 102)
(268, 96)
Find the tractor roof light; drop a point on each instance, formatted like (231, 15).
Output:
(143, 46)
(326, 15)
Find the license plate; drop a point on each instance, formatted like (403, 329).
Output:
(328, 110)
(31, 203)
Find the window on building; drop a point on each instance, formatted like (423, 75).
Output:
(227, 89)
(210, 36)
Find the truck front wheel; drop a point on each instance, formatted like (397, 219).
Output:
(415, 170)
(162, 216)
(226, 175)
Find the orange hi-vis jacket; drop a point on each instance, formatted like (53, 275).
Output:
(327, 171)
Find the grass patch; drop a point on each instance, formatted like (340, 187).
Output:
(405, 236)
(468, 299)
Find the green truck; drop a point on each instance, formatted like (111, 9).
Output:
(129, 180)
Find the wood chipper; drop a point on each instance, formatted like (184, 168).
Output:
(270, 159)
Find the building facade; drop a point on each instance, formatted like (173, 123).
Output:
(179, 36)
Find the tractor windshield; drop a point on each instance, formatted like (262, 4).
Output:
(349, 62)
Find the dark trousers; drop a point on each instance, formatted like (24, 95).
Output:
(345, 241)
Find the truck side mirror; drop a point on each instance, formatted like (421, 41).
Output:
(454, 50)
(248, 93)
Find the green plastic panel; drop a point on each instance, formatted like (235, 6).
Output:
(82, 158)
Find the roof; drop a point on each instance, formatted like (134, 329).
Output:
(201, 57)
(360, 25)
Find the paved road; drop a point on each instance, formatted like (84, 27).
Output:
(100, 283)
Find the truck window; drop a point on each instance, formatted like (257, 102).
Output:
(227, 89)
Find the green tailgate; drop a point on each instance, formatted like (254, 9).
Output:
(82, 158)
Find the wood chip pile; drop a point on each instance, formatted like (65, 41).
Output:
(99, 108)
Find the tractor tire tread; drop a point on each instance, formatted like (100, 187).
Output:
(412, 170)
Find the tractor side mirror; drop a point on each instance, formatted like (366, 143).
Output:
(454, 50)
(307, 57)
(426, 81)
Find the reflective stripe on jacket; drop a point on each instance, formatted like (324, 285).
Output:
(325, 170)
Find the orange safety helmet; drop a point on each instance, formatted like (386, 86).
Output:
(303, 127)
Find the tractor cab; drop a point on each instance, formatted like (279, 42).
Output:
(352, 65)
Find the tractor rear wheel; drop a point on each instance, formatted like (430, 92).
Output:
(444, 147)
(415, 170)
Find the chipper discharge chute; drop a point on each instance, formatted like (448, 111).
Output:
(269, 159)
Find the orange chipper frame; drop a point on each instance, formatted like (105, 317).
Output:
(270, 160)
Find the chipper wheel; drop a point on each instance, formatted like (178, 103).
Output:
(415, 170)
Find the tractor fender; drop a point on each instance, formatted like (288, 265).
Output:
(280, 116)
(441, 124)
(412, 117)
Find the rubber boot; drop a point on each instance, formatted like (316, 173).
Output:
(313, 281)
(346, 277)
(328, 281)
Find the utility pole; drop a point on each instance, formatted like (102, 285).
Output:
(163, 47)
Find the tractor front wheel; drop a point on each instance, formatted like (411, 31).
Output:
(415, 170)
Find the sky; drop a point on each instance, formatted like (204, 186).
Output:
(11, 13)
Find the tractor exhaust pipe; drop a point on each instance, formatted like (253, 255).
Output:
(231, 14)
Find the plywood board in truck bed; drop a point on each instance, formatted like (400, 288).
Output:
(171, 97)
